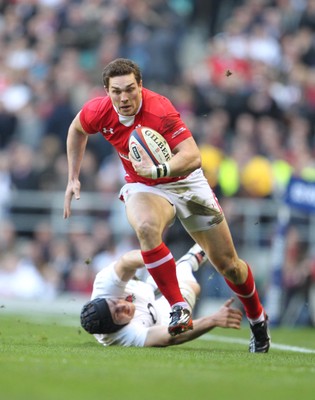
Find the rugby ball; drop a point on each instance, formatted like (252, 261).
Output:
(152, 143)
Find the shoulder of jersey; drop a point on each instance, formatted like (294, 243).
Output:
(98, 103)
(155, 103)
(152, 142)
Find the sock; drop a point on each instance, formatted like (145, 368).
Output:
(161, 265)
(248, 295)
(261, 318)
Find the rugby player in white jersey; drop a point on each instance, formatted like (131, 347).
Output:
(126, 311)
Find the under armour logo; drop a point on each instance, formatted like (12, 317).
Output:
(110, 131)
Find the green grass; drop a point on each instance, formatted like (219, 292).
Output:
(53, 358)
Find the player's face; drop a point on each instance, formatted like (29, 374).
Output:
(125, 94)
(122, 311)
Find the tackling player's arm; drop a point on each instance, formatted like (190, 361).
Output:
(127, 265)
(225, 317)
(76, 144)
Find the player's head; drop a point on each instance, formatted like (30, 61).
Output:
(106, 316)
(123, 83)
(121, 67)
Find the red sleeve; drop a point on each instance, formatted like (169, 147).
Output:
(90, 115)
(176, 132)
(173, 128)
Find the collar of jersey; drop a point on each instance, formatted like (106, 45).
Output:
(127, 120)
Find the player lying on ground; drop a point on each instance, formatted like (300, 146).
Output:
(129, 312)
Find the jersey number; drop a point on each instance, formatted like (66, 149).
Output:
(152, 312)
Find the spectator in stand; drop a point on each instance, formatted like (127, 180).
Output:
(296, 277)
(23, 169)
(307, 19)
(8, 123)
(299, 148)
(20, 278)
(5, 184)
(8, 236)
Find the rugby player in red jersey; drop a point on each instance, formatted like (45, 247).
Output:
(152, 203)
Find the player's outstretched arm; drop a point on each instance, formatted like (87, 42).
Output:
(76, 144)
(225, 317)
(127, 265)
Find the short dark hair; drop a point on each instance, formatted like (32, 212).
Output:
(96, 317)
(121, 67)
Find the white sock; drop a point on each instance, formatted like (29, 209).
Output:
(261, 318)
(183, 304)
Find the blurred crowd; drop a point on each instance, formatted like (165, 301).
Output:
(241, 73)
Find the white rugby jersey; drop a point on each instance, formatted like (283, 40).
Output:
(148, 311)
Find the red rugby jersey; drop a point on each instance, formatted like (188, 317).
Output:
(156, 112)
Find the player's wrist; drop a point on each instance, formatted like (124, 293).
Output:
(160, 171)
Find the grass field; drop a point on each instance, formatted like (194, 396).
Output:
(52, 358)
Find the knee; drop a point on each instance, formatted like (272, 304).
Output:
(233, 273)
(147, 231)
(231, 269)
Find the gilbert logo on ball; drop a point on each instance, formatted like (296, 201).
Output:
(152, 142)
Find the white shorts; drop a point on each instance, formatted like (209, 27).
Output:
(195, 204)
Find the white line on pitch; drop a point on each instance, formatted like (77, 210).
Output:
(284, 347)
